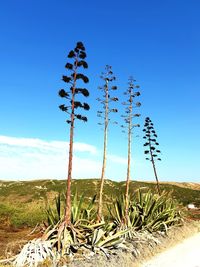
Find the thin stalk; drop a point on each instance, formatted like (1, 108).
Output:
(129, 160)
(154, 169)
(100, 206)
(71, 142)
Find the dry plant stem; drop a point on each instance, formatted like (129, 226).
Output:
(154, 169)
(100, 206)
(129, 163)
(9, 260)
(69, 176)
(152, 149)
(33, 229)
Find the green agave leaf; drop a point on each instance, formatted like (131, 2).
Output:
(93, 226)
(58, 205)
(113, 237)
(114, 243)
(97, 236)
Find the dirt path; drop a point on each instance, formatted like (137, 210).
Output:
(185, 254)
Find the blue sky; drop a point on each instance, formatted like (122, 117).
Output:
(155, 41)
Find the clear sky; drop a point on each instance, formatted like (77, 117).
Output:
(158, 42)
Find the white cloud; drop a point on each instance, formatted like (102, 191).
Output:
(29, 158)
(85, 148)
(33, 158)
(36, 143)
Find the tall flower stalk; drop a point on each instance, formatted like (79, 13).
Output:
(130, 105)
(106, 99)
(77, 60)
(151, 146)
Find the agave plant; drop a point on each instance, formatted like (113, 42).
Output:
(67, 238)
(147, 211)
(79, 213)
(155, 212)
(63, 239)
(105, 238)
(117, 210)
(122, 219)
(54, 215)
(96, 237)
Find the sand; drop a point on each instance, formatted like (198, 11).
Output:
(185, 254)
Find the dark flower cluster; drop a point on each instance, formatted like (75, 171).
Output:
(77, 57)
(151, 143)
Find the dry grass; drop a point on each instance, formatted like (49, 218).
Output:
(193, 186)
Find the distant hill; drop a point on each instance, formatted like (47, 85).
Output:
(24, 203)
(27, 191)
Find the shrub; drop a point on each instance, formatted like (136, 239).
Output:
(147, 211)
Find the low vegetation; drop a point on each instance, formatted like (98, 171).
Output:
(147, 212)
(17, 199)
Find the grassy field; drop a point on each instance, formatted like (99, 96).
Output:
(24, 203)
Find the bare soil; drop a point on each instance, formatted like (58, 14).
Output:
(185, 254)
(13, 239)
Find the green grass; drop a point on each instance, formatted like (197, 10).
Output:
(23, 203)
(22, 215)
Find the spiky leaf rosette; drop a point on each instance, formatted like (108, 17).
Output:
(77, 60)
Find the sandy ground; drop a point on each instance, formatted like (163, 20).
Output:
(185, 254)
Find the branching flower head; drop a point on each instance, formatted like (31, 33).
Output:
(77, 57)
(151, 143)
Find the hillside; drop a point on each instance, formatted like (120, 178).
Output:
(23, 204)
(27, 191)
(20, 199)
